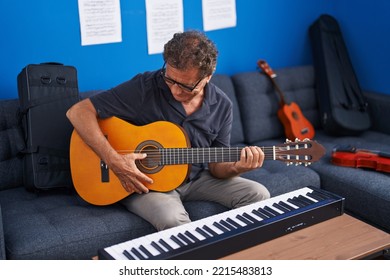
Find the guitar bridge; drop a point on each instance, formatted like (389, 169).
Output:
(104, 172)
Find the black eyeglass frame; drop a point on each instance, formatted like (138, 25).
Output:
(180, 85)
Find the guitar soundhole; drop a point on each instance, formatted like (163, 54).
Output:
(152, 163)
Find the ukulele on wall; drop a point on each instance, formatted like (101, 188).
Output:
(294, 122)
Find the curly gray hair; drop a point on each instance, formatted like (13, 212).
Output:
(191, 49)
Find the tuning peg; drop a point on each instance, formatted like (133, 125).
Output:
(297, 140)
(288, 141)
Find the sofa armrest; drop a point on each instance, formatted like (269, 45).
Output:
(379, 106)
(2, 242)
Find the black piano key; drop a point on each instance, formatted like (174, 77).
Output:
(209, 230)
(321, 194)
(315, 196)
(145, 251)
(226, 224)
(190, 235)
(249, 217)
(306, 199)
(233, 223)
(221, 227)
(244, 220)
(158, 248)
(259, 214)
(128, 255)
(184, 238)
(177, 241)
(265, 212)
(280, 207)
(165, 244)
(284, 204)
(304, 202)
(269, 209)
(137, 254)
(202, 232)
(295, 202)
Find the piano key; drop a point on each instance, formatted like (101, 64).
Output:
(295, 202)
(266, 213)
(128, 255)
(138, 254)
(309, 201)
(226, 224)
(202, 232)
(310, 198)
(221, 227)
(287, 205)
(209, 230)
(184, 238)
(116, 252)
(165, 244)
(243, 219)
(259, 214)
(145, 251)
(281, 208)
(234, 223)
(250, 217)
(192, 236)
(158, 248)
(320, 194)
(269, 209)
(178, 241)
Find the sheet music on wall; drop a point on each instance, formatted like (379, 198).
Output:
(163, 19)
(100, 21)
(218, 14)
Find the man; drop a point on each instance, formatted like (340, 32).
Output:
(180, 93)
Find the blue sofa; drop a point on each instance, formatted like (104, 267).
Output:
(60, 225)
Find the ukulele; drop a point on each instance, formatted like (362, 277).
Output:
(296, 126)
(168, 158)
(351, 157)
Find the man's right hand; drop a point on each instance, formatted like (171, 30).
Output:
(131, 178)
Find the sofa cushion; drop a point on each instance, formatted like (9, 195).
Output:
(225, 83)
(11, 143)
(366, 191)
(60, 225)
(256, 94)
(2, 245)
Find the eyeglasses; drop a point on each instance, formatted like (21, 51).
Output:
(180, 85)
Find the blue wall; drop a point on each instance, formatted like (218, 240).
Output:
(276, 30)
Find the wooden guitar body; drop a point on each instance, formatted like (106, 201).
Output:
(294, 123)
(87, 168)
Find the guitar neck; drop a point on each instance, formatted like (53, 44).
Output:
(279, 91)
(171, 156)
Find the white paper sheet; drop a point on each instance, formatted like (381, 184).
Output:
(100, 21)
(163, 19)
(218, 14)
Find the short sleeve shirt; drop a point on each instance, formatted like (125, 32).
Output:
(146, 98)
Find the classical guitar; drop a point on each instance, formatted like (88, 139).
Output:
(359, 158)
(168, 157)
(290, 114)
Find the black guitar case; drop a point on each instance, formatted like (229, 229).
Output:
(46, 91)
(343, 108)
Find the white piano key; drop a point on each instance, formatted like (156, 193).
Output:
(115, 253)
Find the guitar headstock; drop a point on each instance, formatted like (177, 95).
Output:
(263, 65)
(299, 152)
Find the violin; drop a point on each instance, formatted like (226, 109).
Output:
(359, 158)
